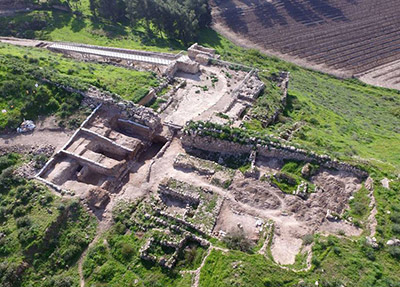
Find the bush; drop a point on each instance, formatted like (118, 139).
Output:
(24, 222)
(395, 252)
(337, 250)
(71, 253)
(27, 235)
(60, 281)
(3, 212)
(359, 208)
(395, 217)
(19, 211)
(237, 240)
(315, 261)
(127, 250)
(396, 228)
(6, 179)
(308, 239)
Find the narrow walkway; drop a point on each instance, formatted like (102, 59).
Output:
(196, 280)
(111, 54)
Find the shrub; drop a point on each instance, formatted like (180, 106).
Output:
(308, 239)
(127, 250)
(395, 217)
(237, 240)
(315, 261)
(19, 211)
(396, 228)
(120, 228)
(59, 281)
(359, 208)
(6, 179)
(3, 212)
(24, 222)
(395, 252)
(71, 253)
(337, 250)
(27, 235)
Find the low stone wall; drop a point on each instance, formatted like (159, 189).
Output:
(108, 144)
(95, 166)
(179, 195)
(196, 50)
(209, 143)
(284, 84)
(183, 64)
(229, 65)
(136, 113)
(148, 98)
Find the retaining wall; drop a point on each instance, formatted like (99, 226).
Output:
(208, 143)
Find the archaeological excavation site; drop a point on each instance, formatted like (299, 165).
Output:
(199, 143)
(187, 174)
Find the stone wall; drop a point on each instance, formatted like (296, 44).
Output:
(184, 64)
(284, 84)
(277, 150)
(196, 50)
(136, 113)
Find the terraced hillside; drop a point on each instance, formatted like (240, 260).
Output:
(342, 37)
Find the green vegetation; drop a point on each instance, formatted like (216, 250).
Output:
(344, 118)
(267, 103)
(359, 207)
(237, 240)
(115, 261)
(25, 94)
(41, 236)
(290, 177)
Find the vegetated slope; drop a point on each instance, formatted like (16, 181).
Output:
(24, 94)
(344, 118)
(41, 235)
(338, 36)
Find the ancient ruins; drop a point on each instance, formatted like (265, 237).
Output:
(188, 182)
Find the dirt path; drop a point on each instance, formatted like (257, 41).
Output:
(46, 133)
(104, 224)
(372, 222)
(196, 279)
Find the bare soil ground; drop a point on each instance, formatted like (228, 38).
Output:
(249, 199)
(46, 132)
(341, 37)
(230, 220)
(205, 94)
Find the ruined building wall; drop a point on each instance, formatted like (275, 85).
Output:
(208, 143)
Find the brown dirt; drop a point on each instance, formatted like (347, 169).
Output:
(46, 133)
(332, 37)
(201, 99)
(229, 220)
(293, 216)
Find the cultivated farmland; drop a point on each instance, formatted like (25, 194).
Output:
(342, 37)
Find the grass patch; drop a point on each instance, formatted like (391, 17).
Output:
(42, 236)
(24, 95)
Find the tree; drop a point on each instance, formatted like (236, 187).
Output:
(179, 19)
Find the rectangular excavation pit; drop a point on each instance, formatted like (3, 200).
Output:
(101, 153)
(68, 173)
(109, 129)
(193, 206)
